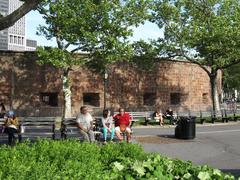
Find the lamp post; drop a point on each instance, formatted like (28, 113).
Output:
(105, 88)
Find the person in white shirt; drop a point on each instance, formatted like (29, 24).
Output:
(85, 124)
(108, 127)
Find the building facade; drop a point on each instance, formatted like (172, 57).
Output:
(13, 38)
(37, 90)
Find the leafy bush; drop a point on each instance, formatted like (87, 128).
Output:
(73, 160)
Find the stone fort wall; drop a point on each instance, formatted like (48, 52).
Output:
(36, 90)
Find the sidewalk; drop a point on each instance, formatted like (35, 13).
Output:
(216, 145)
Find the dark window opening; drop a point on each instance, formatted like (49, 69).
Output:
(149, 99)
(205, 98)
(50, 99)
(175, 98)
(92, 99)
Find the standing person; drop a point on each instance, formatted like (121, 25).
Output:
(122, 123)
(85, 124)
(107, 121)
(11, 126)
(157, 115)
(2, 110)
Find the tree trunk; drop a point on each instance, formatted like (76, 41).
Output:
(67, 111)
(214, 93)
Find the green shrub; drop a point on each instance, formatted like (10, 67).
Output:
(73, 160)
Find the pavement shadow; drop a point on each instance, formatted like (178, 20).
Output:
(160, 139)
(235, 172)
(168, 136)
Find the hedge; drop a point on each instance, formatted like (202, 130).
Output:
(70, 159)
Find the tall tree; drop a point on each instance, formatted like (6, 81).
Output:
(9, 20)
(203, 32)
(99, 27)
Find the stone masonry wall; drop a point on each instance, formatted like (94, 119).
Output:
(22, 81)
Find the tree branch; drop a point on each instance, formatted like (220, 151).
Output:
(78, 48)
(9, 20)
(231, 64)
(196, 62)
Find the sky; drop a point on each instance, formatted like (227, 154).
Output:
(33, 19)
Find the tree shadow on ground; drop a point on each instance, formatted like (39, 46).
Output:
(160, 139)
(235, 172)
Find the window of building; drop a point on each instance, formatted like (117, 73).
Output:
(49, 98)
(15, 39)
(11, 38)
(149, 99)
(92, 99)
(19, 40)
(205, 98)
(175, 98)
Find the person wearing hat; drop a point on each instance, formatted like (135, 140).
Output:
(10, 126)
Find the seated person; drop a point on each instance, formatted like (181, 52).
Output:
(157, 115)
(108, 127)
(10, 126)
(122, 123)
(85, 124)
(169, 115)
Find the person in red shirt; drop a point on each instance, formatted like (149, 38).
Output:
(122, 123)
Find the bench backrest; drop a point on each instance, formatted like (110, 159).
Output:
(195, 114)
(71, 124)
(237, 112)
(38, 126)
(205, 114)
(137, 115)
(1, 121)
(182, 114)
(68, 123)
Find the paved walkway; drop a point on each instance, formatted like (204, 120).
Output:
(216, 145)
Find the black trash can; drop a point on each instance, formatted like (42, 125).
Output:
(186, 128)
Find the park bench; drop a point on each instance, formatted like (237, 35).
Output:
(204, 115)
(166, 118)
(223, 115)
(182, 114)
(230, 115)
(146, 115)
(99, 125)
(216, 115)
(136, 116)
(37, 127)
(237, 114)
(69, 129)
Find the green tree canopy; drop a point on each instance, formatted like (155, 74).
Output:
(232, 78)
(202, 32)
(99, 28)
